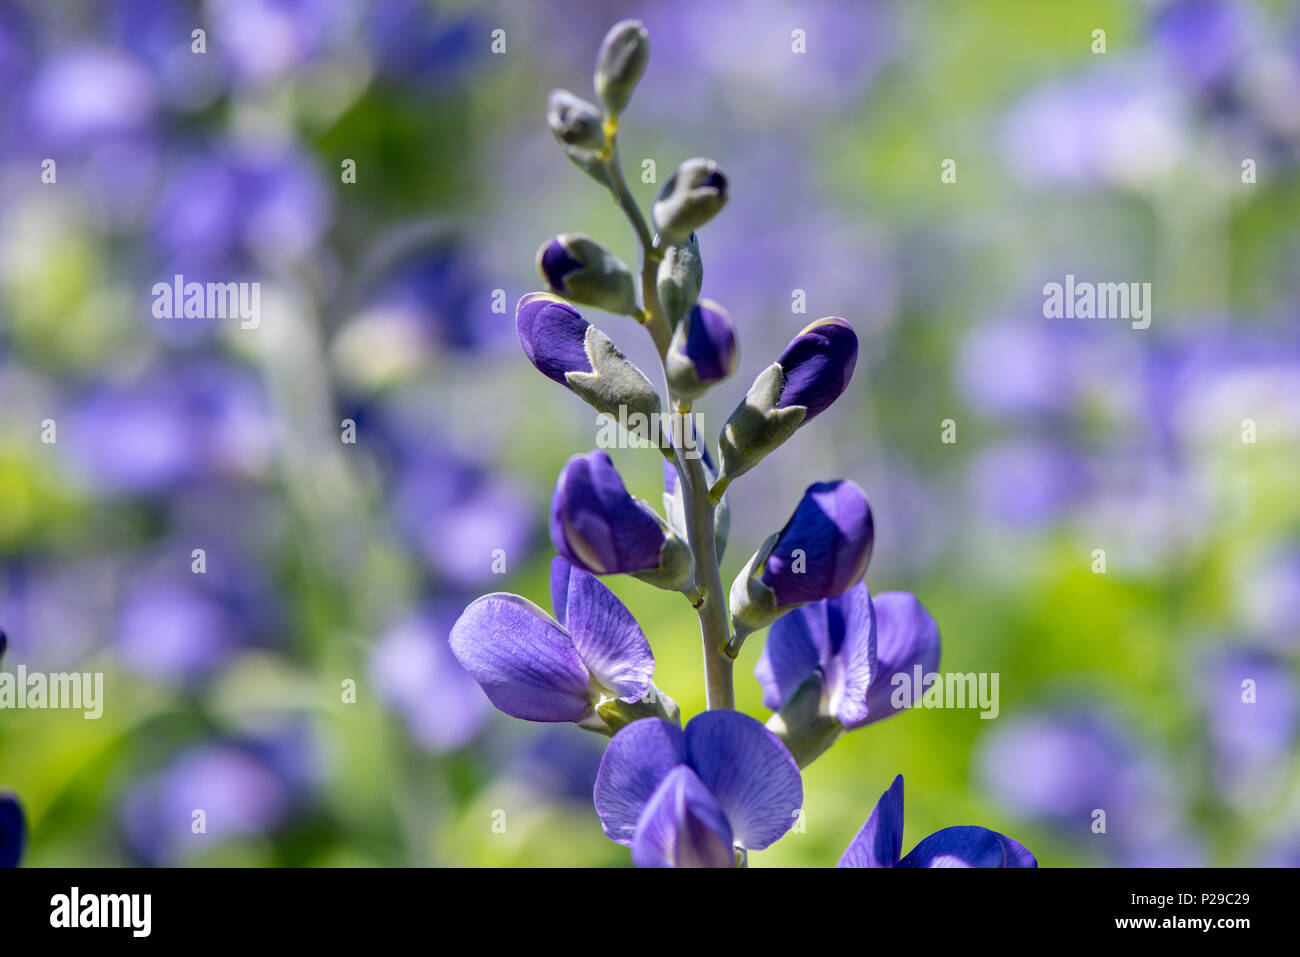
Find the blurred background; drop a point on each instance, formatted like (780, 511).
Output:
(300, 689)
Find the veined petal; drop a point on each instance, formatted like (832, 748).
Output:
(749, 772)
(683, 826)
(522, 659)
(607, 637)
(636, 761)
(880, 842)
(966, 846)
(852, 616)
(792, 653)
(906, 636)
(1017, 855)
(824, 548)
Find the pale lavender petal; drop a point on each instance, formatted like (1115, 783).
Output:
(880, 842)
(638, 758)
(749, 771)
(683, 826)
(851, 671)
(906, 636)
(522, 659)
(611, 643)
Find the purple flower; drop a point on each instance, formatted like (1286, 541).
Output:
(599, 527)
(822, 552)
(855, 645)
(539, 668)
(1205, 40)
(13, 830)
(825, 546)
(89, 94)
(880, 842)
(687, 798)
(703, 350)
(817, 365)
(553, 335)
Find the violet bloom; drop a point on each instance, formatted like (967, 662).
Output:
(13, 830)
(822, 552)
(703, 350)
(817, 365)
(855, 646)
(89, 94)
(539, 668)
(880, 842)
(689, 798)
(599, 527)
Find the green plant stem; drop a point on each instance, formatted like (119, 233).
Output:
(715, 631)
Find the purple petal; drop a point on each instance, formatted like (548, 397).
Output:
(553, 336)
(825, 547)
(522, 659)
(596, 524)
(710, 342)
(818, 364)
(683, 826)
(611, 643)
(968, 846)
(557, 263)
(749, 771)
(850, 672)
(792, 653)
(637, 760)
(906, 636)
(880, 842)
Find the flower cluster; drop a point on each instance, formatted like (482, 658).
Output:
(724, 785)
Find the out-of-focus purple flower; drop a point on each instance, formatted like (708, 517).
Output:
(703, 350)
(178, 625)
(1252, 719)
(89, 94)
(1026, 482)
(244, 788)
(598, 526)
(173, 425)
(539, 668)
(1204, 40)
(410, 40)
(421, 680)
(159, 35)
(880, 842)
(241, 203)
(855, 645)
(688, 798)
(57, 611)
(558, 765)
(264, 40)
(13, 830)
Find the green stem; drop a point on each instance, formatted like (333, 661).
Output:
(715, 632)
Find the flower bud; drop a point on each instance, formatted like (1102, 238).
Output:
(568, 349)
(702, 351)
(822, 552)
(598, 526)
(620, 63)
(13, 830)
(681, 273)
(810, 374)
(691, 197)
(582, 271)
(574, 121)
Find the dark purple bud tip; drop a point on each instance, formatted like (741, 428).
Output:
(553, 335)
(711, 342)
(597, 525)
(825, 547)
(818, 364)
(557, 263)
(13, 831)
